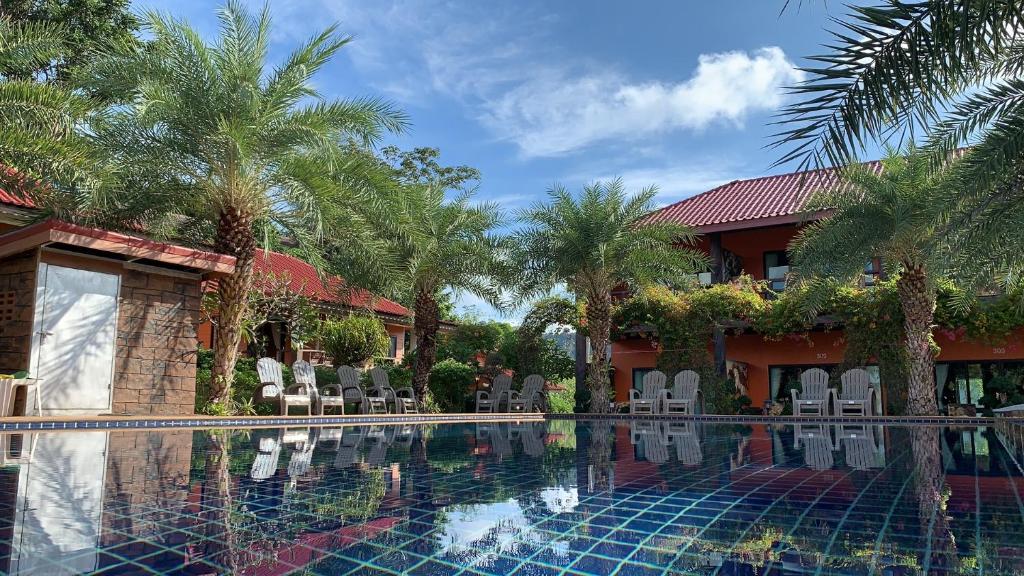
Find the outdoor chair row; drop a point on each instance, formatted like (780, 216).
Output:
(654, 398)
(857, 397)
(502, 398)
(379, 398)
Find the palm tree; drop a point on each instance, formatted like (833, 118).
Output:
(947, 73)
(39, 141)
(594, 243)
(211, 141)
(887, 212)
(428, 246)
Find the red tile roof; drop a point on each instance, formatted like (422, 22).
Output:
(753, 203)
(303, 278)
(9, 199)
(59, 232)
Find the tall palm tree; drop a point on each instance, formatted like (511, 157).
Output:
(593, 243)
(39, 140)
(209, 132)
(887, 213)
(429, 246)
(946, 73)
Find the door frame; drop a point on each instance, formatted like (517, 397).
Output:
(38, 304)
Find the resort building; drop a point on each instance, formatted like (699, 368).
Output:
(329, 297)
(106, 321)
(746, 227)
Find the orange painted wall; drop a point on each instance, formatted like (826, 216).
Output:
(750, 245)
(821, 348)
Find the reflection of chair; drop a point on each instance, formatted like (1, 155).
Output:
(857, 394)
(817, 445)
(298, 394)
(814, 393)
(348, 446)
(265, 464)
(685, 437)
(861, 444)
(533, 394)
(533, 435)
(302, 454)
(650, 436)
(645, 400)
(490, 401)
(501, 439)
(352, 392)
(377, 438)
(17, 448)
(403, 399)
(682, 398)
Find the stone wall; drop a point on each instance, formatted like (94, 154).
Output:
(17, 295)
(155, 369)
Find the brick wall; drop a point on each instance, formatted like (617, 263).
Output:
(155, 369)
(17, 295)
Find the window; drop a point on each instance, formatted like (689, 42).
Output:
(776, 267)
(393, 348)
(965, 382)
(872, 271)
(638, 377)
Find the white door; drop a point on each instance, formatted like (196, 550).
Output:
(60, 504)
(75, 332)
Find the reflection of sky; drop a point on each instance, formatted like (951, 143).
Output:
(466, 526)
(560, 499)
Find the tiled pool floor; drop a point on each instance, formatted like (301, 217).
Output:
(537, 498)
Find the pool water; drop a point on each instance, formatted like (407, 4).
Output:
(538, 498)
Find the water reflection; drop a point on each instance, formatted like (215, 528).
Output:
(642, 497)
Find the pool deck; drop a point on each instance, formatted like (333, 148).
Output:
(106, 422)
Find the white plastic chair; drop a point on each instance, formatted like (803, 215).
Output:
(533, 394)
(857, 396)
(298, 394)
(305, 374)
(646, 400)
(352, 392)
(682, 398)
(490, 401)
(403, 399)
(814, 394)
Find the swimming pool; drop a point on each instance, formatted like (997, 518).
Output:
(537, 498)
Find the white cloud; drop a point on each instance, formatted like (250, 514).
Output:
(503, 63)
(555, 113)
(676, 181)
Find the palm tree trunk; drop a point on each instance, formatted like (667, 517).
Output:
(424, 328)
(234, 238)
(599, 314)
(917, 299)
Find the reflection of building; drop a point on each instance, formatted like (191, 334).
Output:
(746, 226)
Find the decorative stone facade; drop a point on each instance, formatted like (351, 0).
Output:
(155, 367)
(17, 295)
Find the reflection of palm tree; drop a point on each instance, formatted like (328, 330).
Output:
(599, 453)
(219, 537)
(929, 483)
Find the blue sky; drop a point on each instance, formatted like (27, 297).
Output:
(671, 93)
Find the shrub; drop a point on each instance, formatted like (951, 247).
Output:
(449, 384)
(355, 339)
(563, 401)
(243, 390)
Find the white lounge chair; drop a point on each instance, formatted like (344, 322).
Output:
(298, 394)
(533, 394)
(817, 445)
(814, 395)
(352, 392)
(857, 396)
(646, 400)
(403, 399)
(682, 398)
(490, 400)
(305, 374)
